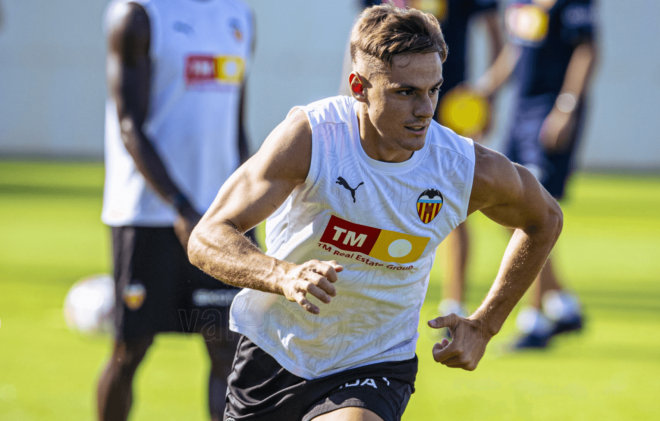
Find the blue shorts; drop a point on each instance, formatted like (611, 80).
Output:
(523, 145)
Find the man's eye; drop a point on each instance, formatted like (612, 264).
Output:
(406, 92)
(435, 91)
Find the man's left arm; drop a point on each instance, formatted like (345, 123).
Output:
(578, 29)
(243, 141)
(510, 195)
(560, 123)
(495, 38)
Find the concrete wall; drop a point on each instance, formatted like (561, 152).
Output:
(52, 83)
(624, 125)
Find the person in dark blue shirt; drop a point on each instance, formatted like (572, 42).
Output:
(551, 54)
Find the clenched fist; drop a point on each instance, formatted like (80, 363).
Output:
(469, 340)
(314, 277)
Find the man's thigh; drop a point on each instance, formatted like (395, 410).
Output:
(349, 414)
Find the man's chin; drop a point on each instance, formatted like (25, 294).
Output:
(414, 143)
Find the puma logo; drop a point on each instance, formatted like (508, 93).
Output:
(183, 27)
(344, 184)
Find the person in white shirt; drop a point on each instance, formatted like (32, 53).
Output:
(174, 134)
(358, 192)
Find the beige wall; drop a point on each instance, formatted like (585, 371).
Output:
(52, 84)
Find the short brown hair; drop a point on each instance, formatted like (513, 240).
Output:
(384, 31)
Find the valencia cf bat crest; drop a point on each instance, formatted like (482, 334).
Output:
(429, 204)
(134, 295)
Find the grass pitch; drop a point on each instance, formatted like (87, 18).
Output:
(51, 236)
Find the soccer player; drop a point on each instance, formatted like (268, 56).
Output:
(358, 192)
(174, 134)
(551, 54)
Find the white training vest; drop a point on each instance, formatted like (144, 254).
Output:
(200, 51)
(382, 222)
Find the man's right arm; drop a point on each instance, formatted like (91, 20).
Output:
(499, 72)
(129, 79)
(250, 195)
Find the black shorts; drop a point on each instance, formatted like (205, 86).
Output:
(523, 145)
(260, 389)
(157, 289)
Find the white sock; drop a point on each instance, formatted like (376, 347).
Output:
(560, 305)
(448, 306)
(532, 320)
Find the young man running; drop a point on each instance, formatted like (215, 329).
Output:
(331, 314)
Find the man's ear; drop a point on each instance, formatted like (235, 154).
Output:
(357, 88)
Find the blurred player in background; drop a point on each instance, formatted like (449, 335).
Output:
(358, 192)
(174, 134)
(458, 113)
(551, 54)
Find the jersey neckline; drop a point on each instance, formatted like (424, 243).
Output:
(390, 167)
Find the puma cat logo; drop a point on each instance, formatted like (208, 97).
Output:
(183, 27)
(344, 184)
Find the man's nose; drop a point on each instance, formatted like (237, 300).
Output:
(424, 106)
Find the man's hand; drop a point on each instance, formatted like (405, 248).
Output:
(184, 224)
(314, 277)
(469, 340)
(556, 130)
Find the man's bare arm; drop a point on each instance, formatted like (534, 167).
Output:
(580, 69)
(495, 38)
(250, 195)
(129, 80)
(514, 199)
(509, 195)
(243, 143)
(499, 72)
(559, 125)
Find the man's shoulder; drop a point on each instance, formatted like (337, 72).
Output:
(128, 29)
(443, 137)
(126, 15)
(334, 110)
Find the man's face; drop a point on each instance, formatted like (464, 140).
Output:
(401, 101)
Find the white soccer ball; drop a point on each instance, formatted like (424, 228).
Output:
(89, 304)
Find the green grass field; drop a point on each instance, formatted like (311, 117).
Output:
(51, 236)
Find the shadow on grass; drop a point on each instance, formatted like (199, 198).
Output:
(39, 190)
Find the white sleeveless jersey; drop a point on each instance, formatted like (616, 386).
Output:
(199, 53)
(382, 222)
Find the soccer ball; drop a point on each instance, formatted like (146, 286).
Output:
(89, 304)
